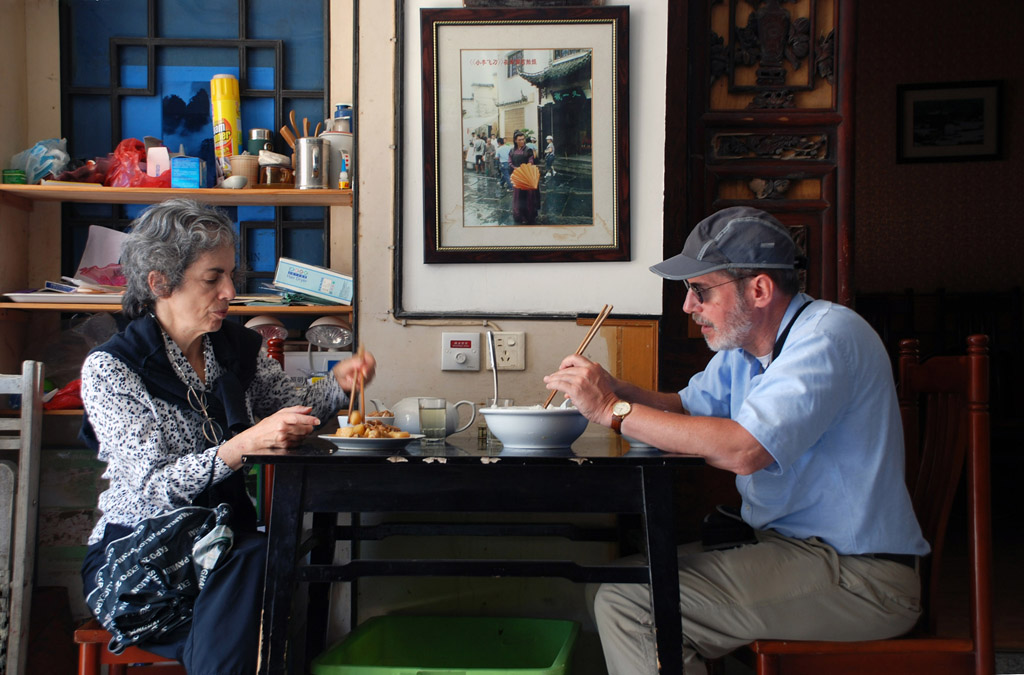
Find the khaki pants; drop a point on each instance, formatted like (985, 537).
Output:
(779, 588)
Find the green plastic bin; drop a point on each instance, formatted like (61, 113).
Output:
(422, 645)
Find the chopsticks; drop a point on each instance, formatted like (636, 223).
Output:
(358, 385)
(596, 326)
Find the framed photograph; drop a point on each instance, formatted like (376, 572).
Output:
(948, 121)
(525, 134)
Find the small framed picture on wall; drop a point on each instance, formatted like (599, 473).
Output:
(949, 121)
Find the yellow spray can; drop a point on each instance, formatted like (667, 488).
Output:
(227, 122)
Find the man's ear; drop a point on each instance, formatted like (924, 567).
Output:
(157, 284)
(763, 289)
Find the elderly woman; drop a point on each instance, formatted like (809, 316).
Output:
(172, 404)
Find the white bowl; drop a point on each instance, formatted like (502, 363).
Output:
(386, 419)
(533, 427)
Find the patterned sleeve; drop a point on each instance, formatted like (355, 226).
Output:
(154, 451)
(272, 389)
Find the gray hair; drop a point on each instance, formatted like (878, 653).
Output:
(787, 281)
(167, 238)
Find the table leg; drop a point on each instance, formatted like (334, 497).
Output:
(318, 608)
(285, 518)
(659, 532)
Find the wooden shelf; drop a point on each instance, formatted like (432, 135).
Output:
(242, 310)
(22, 196)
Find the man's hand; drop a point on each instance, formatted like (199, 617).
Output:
(590, 387)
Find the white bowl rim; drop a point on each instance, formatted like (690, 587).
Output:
(529, 410)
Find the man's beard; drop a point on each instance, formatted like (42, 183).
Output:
(733, 331)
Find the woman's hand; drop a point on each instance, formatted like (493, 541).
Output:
(362, 363)
(283, 430)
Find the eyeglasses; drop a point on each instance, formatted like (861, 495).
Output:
(212, 431)
(699, 291)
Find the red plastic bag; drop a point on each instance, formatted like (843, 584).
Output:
(128, 167)
(68, 397)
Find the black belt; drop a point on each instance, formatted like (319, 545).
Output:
(901, 558)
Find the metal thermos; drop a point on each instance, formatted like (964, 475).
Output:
(259, 139)
(312, 160)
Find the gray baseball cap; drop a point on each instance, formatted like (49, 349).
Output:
(739, 237)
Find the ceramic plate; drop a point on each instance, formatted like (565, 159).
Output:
(345, 443)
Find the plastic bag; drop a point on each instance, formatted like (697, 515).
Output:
(68, 397)
(43, 159)
(128, 167)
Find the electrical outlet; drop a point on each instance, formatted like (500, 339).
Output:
(460, 351)
(510, 350)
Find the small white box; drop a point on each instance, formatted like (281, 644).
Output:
(318, 282)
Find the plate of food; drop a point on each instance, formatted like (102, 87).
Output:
(358, 443)
(369, 434)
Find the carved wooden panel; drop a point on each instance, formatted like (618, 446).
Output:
(765, 88)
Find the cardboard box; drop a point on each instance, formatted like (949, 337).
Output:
(318, 282)
(188, 172)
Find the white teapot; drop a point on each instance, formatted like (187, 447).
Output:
(407, 414)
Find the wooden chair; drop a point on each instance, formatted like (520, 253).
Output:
(92, 642)
(944, 405)
(19, 487)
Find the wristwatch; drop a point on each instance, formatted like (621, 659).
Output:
(619, 412)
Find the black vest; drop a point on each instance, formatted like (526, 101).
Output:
(141, 347)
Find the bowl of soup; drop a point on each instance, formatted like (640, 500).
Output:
(534, 427)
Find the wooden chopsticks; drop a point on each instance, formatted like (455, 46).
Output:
(358, 386)
(596, 326)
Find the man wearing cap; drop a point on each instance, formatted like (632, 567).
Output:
(799, 403)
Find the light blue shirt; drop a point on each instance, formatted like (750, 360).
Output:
(826, 410)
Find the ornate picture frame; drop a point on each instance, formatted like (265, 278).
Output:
(491, 74)
(949, 121)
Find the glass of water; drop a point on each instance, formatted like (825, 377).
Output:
(433, 419)
(497, 403)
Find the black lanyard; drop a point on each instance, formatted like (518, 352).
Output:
(785, 333)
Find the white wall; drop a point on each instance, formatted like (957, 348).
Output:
(559, 287)
(409, 351)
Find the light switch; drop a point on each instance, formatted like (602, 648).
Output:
(460, 351)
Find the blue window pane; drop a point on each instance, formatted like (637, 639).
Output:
(258, 113)
(260, 244)
(216, 59)
(87, 211)
(311, 109)
(299, 23)
(91, 25)
(295, 213)
(90, 129)
(206, 19)
(304, 244)
(255, 286)
(133, 66)
(248, 213)
(261, 64)
(133, 210)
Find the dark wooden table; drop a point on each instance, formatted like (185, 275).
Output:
(599, 475)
